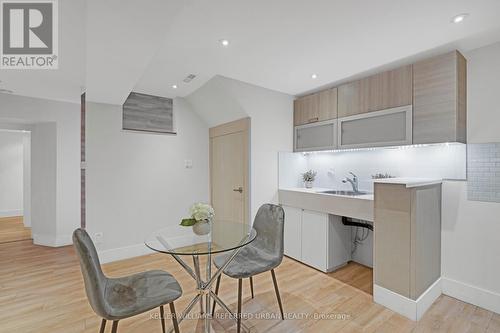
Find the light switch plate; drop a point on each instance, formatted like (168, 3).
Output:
(98, 237)
(188, 164)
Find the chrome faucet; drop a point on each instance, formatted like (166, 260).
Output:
(354, 182)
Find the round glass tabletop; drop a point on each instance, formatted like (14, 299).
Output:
(216, 237)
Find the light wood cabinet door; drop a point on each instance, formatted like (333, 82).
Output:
(316, 107)
(314, 239)
(327, 109)
(439, 102)
(381, 91)
(392, 235)
(306, 109)
(293, 232)
(407, 239)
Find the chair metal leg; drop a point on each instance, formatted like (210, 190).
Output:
(251, 285)
(277, 293)
(217, 284)
(103, 326)
(174, 317)
(162, 318)
(238, 319)
(114, 329)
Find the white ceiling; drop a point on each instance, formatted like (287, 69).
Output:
(67, 82)
(122, 38)
(278, 44)
(149, 45)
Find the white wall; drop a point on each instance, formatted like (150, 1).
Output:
(222, 100)
(44, 203)
(27, 179)
(137, 182)
(11, 173)
(55, 143)
(446, 161)
(471, 229)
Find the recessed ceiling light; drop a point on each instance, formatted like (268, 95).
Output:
(314, 76)
(459, 18)
(174, 86)
(224, 42)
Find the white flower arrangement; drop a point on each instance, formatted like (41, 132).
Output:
(199, 212)
(309, 176)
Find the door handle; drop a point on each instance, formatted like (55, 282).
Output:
(239, 189)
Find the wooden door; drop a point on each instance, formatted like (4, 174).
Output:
(229, 171)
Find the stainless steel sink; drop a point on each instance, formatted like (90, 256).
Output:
(340, 192)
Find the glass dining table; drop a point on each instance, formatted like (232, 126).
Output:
(181, 242)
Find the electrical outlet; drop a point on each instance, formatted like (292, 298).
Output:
(98, 237)
(188, 164)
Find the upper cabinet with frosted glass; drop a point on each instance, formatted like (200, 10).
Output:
(420, 103)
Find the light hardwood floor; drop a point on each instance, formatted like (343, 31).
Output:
(355, 275)
(12, 229)
(41, 290)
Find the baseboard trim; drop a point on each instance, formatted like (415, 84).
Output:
(407, 307)
(125, 252)
(51, 240)
(11, 213)
(483, 298)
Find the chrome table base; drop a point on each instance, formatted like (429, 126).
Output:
(204, 288)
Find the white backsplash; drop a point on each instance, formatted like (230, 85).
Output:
(446, 161)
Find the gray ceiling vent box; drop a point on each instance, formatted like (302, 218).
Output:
(146, 113)
(189, 78)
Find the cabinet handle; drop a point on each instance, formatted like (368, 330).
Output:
(313, 120)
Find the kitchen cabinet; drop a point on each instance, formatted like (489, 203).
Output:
(293, 230)
(306, 109)
(381, 91)
(316, 107)
(314, 239)
(316, 136)
(413, 104)
(439, 102)
(327, 104)
(407, 227)
(392, 127)
(317, 239)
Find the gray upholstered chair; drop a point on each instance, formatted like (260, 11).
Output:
(264, 254)
(118, 298)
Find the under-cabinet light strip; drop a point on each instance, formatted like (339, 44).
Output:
(379, 148)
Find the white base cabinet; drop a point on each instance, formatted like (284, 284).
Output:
(317, 239)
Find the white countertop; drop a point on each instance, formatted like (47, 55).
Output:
(359, 206)
(317, 190)
(409, 182)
